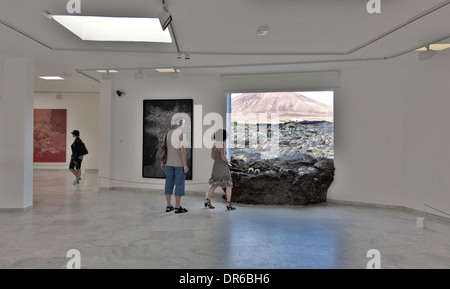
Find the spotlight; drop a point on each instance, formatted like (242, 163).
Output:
(59, 96)
(179, 56)
(187, 56)
(139, 75)
(262, 30)
(120, 93)
(107, 75)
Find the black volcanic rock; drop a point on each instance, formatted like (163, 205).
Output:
(292, 180)
(313, 137)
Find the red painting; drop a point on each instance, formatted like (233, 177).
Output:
(50, 135)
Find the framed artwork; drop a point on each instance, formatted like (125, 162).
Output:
(49, 135)
(158, 116)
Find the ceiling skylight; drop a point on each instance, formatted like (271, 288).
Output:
(51, 77)
(131, 29)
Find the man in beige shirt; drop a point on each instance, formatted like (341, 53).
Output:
(175, 168)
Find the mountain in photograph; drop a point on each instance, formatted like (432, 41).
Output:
(289, 106)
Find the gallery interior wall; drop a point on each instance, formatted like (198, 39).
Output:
(391, 134)
(391, 130)
(82, 114)
(126, 141)
(16, 133)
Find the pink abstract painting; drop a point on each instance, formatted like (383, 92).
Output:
(50, 135)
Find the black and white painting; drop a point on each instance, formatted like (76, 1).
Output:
(158, 117)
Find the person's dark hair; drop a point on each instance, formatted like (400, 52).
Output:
(220, 135)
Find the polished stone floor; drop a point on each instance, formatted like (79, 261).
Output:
(130, 229)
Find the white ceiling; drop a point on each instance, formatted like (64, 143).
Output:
(221, 37)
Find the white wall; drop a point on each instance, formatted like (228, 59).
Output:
(392, 134)
(127, 125)
(368, 142)
(16, 133)
(104, 134)
(426, 91)
(391, 131)
(82, 114)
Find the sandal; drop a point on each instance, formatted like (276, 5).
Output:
(169, 208)
(230, 207)
(208, 204)
(180, 210)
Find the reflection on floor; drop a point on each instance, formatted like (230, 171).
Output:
(130, 229)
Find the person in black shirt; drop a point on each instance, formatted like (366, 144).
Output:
(76, 158)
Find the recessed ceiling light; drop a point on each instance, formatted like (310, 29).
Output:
(436, 47)
(167, 70)
(106, 71)
(99, 28)
(51, 77)
(262, 30)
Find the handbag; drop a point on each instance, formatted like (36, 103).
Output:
(84, 150)
(161, 154)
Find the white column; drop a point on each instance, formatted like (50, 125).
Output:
(104, 143)
(16, 133)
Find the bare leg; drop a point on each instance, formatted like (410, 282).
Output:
(168, 198)
(228, 193)
(211, 191)
(178, 208)
(207, 202)
(177, 201)
(78, 175)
